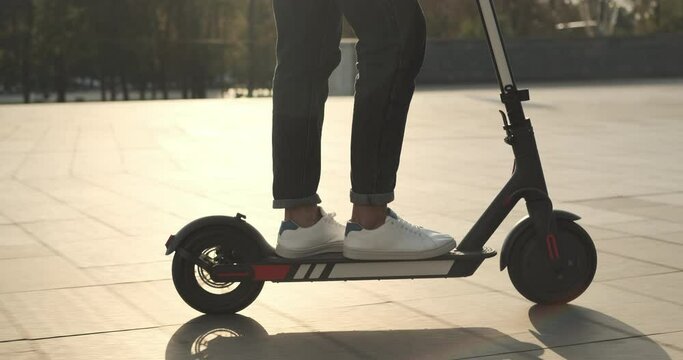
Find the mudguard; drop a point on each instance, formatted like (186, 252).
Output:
(520, 227)
(174, 241)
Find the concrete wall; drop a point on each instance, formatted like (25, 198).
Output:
(343, 78)
(468, 61)
(461, 61)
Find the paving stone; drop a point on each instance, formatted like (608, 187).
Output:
(127, 220)
(663, 287)
(96, 138)
(73, 311)
(614, 267)
(670, 213)
(157, 299)
(58, 233)
(134, 345)
(619, 203)
(598, 233)
(16, 146)
(35, 273)
(9, 163)
(657, 252)
(45, 165)
(645, 228)
(59, 138)
(99, 187)
(41, 212)
(676, 237)
(8, 331)
(671, 342)
(160, 196)
(126, 273)
(75, 245)
(632, 313)
(631, 348)
(4, 220)
(20, 350)
(601, 218)
(25, 204)
(671, 198)
(16, 243)
(108, 162)
(77, 192)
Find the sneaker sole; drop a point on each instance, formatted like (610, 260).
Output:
(363, 254)
(301, 253)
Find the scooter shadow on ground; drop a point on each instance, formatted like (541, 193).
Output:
(240, 337)
(570, 331)
(575, 332)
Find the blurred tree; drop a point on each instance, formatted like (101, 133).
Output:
(59, 31)
(447, 19)
(16, 52)
(669, 15)
(156, 47)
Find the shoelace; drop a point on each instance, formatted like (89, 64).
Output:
(415, 229)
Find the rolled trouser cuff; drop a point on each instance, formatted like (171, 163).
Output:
(290, 203)
(371, 199)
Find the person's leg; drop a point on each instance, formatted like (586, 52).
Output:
(390, 52)
(309, 32)
(391, 46)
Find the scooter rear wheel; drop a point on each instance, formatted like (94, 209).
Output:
(216, 245)
(533, 274)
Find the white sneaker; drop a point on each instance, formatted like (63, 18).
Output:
(294, 241)
(396, 239)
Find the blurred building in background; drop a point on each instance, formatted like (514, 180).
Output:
(63, 50)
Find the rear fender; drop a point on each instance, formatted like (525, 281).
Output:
(177, 240)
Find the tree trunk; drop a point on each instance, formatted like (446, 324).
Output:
(162, 79)
(103, 88)
(124, 86)
(26, 56)
(60, 77)
(112, 88)
(142, 89)
(251, 43)
(184, 87)
(153, 90)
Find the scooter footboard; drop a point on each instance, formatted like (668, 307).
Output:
(334, 267)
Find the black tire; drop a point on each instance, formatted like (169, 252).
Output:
(194, 285)
(533, 275)
(208, 334)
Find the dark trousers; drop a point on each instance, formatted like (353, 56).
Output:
(391, 42)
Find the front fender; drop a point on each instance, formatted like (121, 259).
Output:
(174, 241)
(520, 227)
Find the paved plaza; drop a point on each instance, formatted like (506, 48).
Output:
(90, 192)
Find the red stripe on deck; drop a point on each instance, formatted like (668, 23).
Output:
(270, 272)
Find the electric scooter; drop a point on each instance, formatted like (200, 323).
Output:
(221, 262)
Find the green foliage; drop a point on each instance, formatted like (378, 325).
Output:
(150, 46)
(669, 15)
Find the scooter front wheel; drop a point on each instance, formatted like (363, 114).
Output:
(215, 245)
(553, 274)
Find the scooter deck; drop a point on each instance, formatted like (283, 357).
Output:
(335, 267)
